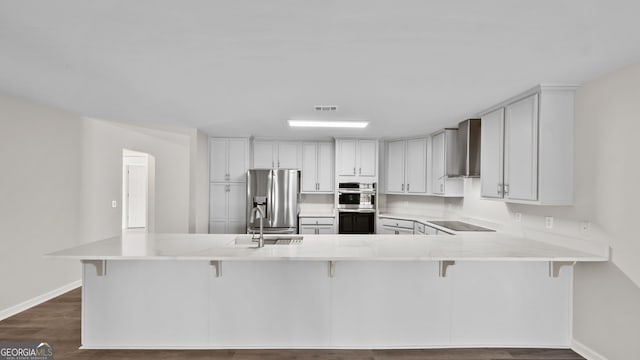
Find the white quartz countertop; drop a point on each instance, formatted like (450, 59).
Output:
(471, 247)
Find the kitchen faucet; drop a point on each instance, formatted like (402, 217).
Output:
(260, 210)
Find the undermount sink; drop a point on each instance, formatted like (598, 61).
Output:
(251, 241)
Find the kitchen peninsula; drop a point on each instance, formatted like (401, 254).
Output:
(329, 291)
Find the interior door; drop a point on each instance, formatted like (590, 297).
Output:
(136, 196)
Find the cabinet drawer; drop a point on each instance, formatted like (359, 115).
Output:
(407, 224)
(317, 221)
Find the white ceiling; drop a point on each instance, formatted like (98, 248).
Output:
(243, 67)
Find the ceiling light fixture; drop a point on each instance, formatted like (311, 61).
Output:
(329, 124)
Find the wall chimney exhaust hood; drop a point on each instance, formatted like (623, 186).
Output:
(469, 148)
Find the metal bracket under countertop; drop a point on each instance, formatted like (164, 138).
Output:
(217, 267)
(555, 266)
(332, 269)
(443, 266)
(101, 266)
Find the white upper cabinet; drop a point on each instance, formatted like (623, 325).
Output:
(406, 168)
(317, 167)
(357, 158)
(367, 157)
(264, 154)
(268, 154)
(527, 148)
(521, 149)
(491, 158)
(228, 159)
(288, 155)
(346, 157)
(443, 164)
(395, 165)
(416, 166)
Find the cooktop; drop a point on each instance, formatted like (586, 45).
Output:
(459, 226)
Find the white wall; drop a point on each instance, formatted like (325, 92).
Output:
(103, 142)
(607, 296)
(60, 173)
(39, 198)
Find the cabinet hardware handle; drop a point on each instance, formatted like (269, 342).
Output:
(354, 171)
(499, 189)
(408, 187)
(506, 189)
(360, 171)
(278, 163)
(441, 187)
(397, 232)
(402, 187)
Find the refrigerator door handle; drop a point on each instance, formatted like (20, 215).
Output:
(270, 195)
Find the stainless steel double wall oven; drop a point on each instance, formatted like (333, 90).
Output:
(356, 208)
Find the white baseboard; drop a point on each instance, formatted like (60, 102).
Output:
(38, 300)
(585, 351)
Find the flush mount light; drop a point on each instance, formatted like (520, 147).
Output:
(329, 124)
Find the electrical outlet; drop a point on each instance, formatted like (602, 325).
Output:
(585, 226)
(548, 222)
(114, 203)
(518, 216)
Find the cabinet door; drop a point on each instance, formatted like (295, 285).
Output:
(237, 194)
(237, 160)
(326, 230)
(263, 154)
(416, 166)
(288, 155)
(438, 163)
(218, 159)
(308, 230)
(367, 157)
(236, 227)
(521, 149)
(218, 201)
(309, 167)
(346, 157)
(491, 154)
(325, 158)
(395, 166)
(218, 227)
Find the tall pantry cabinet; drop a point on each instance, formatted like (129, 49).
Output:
(229, 162)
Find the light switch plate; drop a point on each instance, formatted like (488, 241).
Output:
(114, 203)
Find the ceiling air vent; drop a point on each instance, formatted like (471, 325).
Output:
(325, 107)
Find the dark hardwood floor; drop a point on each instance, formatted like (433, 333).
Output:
(58, 322)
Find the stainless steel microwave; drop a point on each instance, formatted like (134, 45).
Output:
(357, 196)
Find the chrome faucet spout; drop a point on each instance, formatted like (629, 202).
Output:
(260, 211)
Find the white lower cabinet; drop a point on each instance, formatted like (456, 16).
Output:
(227, 203)
(317, 225)
(396, 226)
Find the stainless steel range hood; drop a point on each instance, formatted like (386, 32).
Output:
(469, 148)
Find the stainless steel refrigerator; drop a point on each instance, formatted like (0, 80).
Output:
(277, 192)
